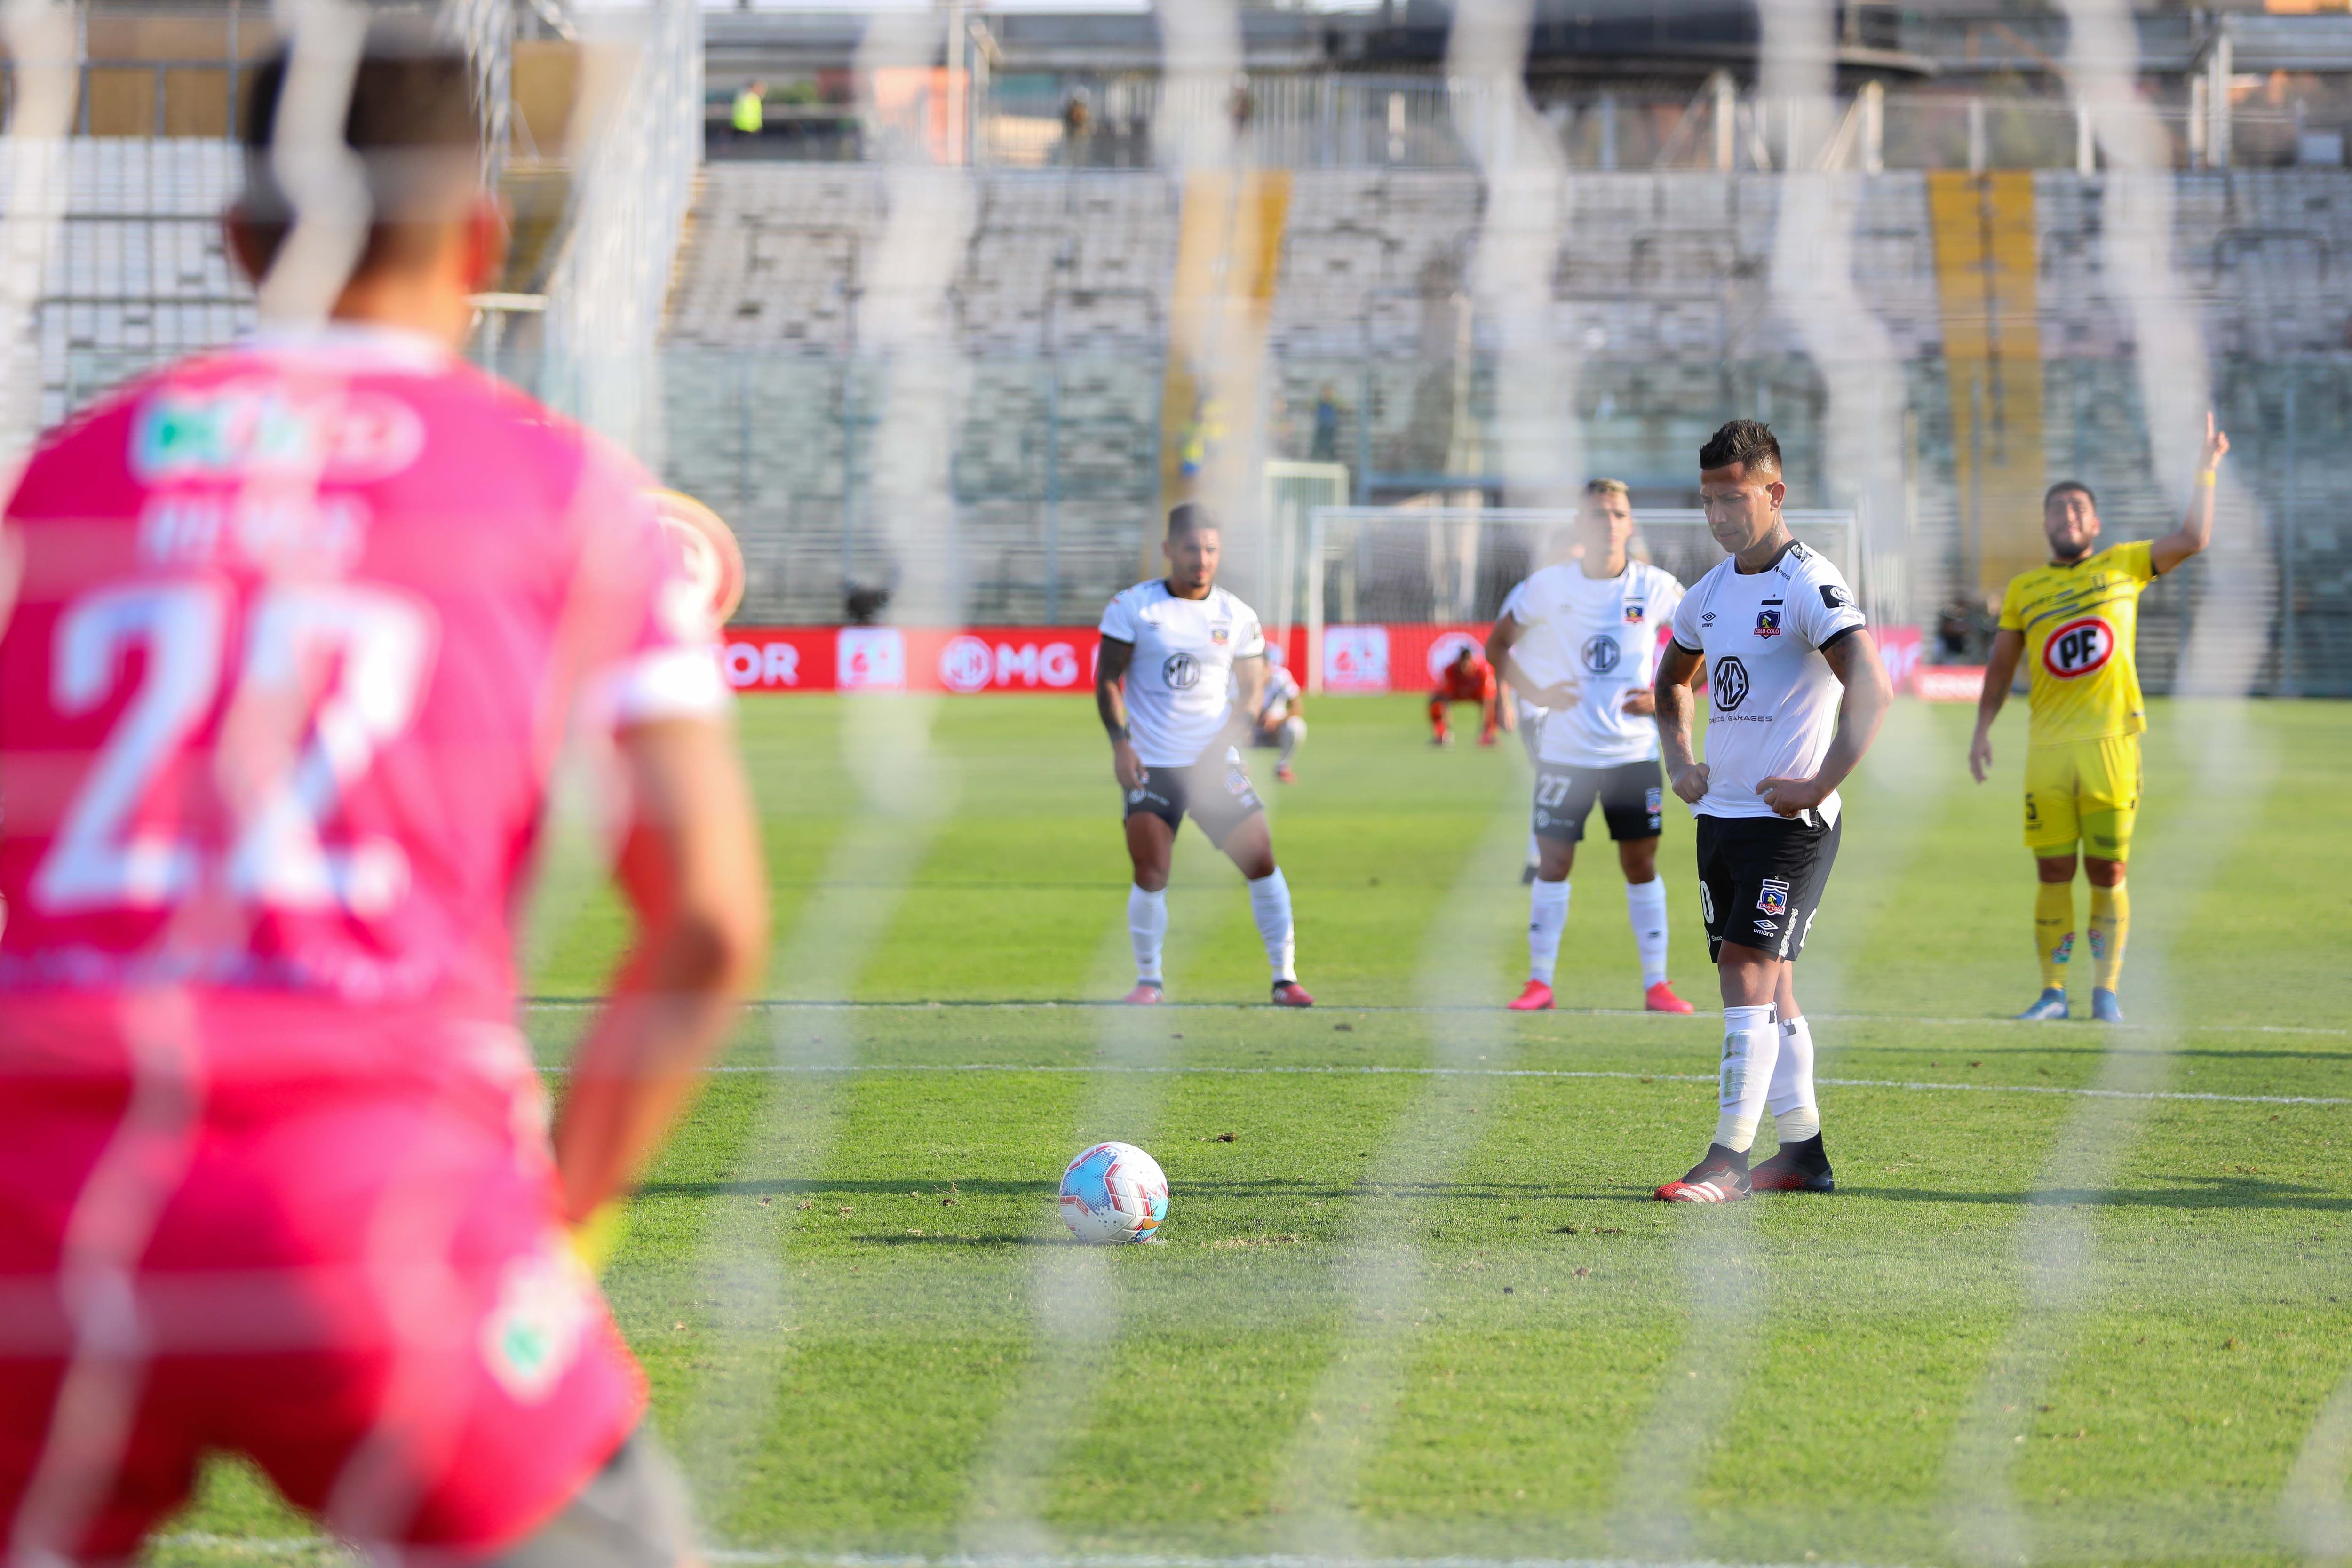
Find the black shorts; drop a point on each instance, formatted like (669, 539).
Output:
(1760, 880)
(1215, 792)
(1631, 795)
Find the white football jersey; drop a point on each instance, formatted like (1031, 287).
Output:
(1281, 685)
(1179, 684)
(1601, 632)
(1775, 701)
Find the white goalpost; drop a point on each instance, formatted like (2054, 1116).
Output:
(1433, 565)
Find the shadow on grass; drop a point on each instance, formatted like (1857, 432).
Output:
(1044, 1191)
(2195, 1192)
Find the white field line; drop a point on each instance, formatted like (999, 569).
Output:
(1351, 1070)
(1341, 1010)
(1170, 1560)
(298, 1546)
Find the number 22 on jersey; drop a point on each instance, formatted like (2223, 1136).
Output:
(328, 674)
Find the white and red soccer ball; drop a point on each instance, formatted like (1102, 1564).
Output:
(713, 560)
(1114, 1192)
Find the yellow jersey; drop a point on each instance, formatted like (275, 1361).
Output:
(2081, 625)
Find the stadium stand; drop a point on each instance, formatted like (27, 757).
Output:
(1663, 290)
(1061, 307)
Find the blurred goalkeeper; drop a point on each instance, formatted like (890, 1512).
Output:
(1469, 678)
(1280, 723)
(301, 626)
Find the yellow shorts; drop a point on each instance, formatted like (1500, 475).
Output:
(2083, 790)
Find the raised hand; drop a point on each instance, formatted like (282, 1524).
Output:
(2217, 443)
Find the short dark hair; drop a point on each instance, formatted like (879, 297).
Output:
(1747, 442)
(412, 118)
(1190, 516)
(2061, 487)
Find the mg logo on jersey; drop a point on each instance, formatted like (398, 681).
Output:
(1731, 683)
(1601, 653)
(1182, 672)
(2079, 647)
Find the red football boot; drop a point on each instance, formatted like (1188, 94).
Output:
(1290, 993)
(1147, 993)
(1714, 1179)
(1536, 999)
(1796, 1168)
(1661, 998)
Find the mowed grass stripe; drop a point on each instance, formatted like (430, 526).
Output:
(2214, 1325)
(788, 1069)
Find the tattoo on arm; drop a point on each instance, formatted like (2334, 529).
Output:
(1110, 667)
(1677, 668)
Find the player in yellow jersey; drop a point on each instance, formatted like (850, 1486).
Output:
(2075, 622)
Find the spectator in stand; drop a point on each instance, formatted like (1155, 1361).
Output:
(1953, 632)
(750, 116)
(1077, 129)
(1326, 448)
(1469, 678)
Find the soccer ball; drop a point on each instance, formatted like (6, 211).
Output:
(1114, 1192)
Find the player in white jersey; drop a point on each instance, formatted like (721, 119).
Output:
(1178, 674)
(1279, 724)
(1580, 639)
(1799, 694)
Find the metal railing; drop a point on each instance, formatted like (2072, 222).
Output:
(1343, 122)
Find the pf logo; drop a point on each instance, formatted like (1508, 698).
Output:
(1182, 672)
(1731, 683)
(2079, 647)
(1602, 653)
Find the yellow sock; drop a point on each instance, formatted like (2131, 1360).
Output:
(2054, 930)
(2110, 928)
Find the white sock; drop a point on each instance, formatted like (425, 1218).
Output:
(1547, 918)
(1146, 927)
(1646, 906)
(1292, 731)
(1750, 1048)
(1270, 903)
(1794, 1110)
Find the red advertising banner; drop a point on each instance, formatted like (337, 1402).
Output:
(908, 659)
(974, 660)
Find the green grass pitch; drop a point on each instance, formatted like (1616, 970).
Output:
(2082, 1297)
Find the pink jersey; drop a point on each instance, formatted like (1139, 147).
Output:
(299, 631)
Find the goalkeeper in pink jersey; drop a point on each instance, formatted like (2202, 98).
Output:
(299, 628)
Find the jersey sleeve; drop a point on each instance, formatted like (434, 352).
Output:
(1685, 623)
(2012, 605)
(653, 652)
(1249, 636)
(1118, 620)
(1667, 595)
(2137, 558)
(1826, 609)
(1515, 605)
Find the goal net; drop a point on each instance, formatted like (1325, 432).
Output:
(1452, 566)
